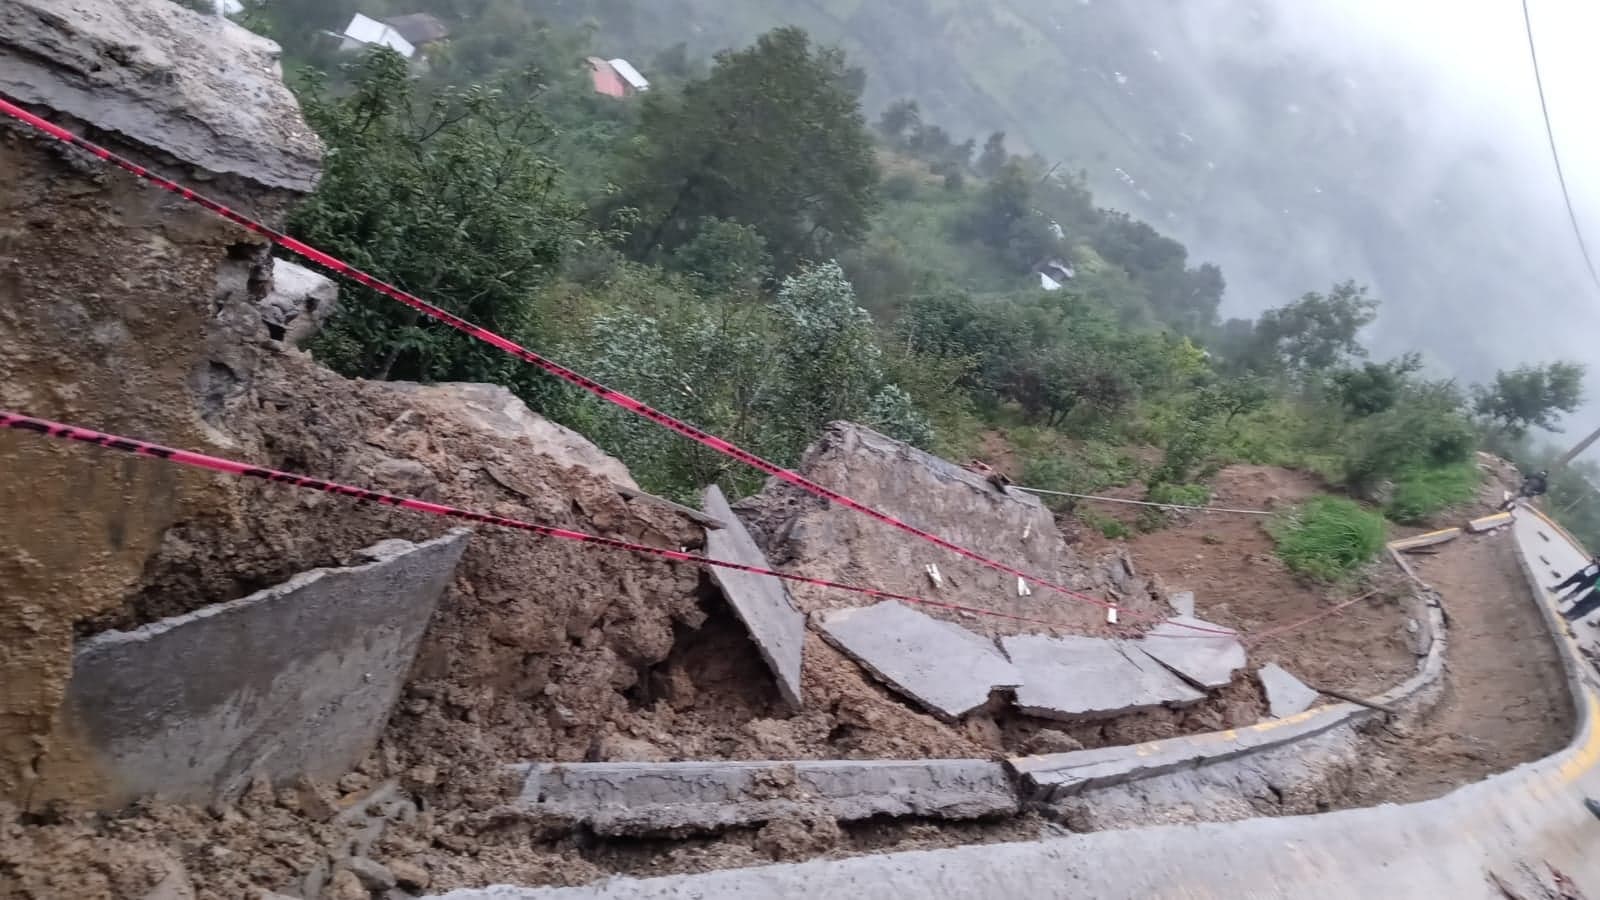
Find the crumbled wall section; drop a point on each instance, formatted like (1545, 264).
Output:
(801, 533)
(124, 309)
(298, 679)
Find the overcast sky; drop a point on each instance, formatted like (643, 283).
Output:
(1479, 49)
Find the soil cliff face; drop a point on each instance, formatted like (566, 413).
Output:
(121, 308)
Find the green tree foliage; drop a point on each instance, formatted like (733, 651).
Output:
(1315, 333)
(445, 194)
(766, 377)
(899, 121)
(726, 257)
(1373, 388)
(1530, 396)
(994, 157)
(773, 138)
(1002, 217)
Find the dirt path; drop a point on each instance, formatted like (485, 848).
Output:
(1505, 700)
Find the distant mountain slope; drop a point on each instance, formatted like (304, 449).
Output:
(1229, 125)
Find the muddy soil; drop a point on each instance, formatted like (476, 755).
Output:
(1505, 701)
(1229, 562)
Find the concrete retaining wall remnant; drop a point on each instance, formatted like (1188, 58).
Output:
(688, 797)
(298, 679)
(762, 603)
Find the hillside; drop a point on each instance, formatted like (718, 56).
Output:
(1290, 159)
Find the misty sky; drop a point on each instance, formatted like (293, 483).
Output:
(1479, 49)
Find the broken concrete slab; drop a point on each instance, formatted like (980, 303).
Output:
(1489, 523)
(1070, 678)
(298, 679)
(1182, 603)
(1206, 659)
(638, 799)
(762, 603)
(1431, 539)
(1286, 694)
(1051, 777)
(944, 667)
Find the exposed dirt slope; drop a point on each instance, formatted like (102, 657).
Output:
(1229, 562)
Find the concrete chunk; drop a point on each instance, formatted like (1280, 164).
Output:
(762, 602)
(1489, 523)
(298, 679)
(1182, 603)
(1431, 539)
(1286, 694)
(1205, 659)
(1071, 678)
(944, 667)
(681, 798)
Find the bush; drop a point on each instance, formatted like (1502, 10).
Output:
(1179, 494)
(1327, 538)
(1423, 491)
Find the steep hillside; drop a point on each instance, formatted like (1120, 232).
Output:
(1290, 158)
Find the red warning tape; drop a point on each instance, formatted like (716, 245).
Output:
(218, 464)
(594, 387)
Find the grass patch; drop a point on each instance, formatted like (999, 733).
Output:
(1179, 494)
(1421, 492)
(1111, 529)
(1327, 538)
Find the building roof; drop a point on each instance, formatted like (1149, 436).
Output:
(367, 30)
(606, 79)
(631, 75)
(419, 28)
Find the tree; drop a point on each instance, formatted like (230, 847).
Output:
(899, 120)
(1374, 387)
(726, 257)
(1530, 396)
(1316, 332)
(994, 156)
(773, 138)
(444, 194)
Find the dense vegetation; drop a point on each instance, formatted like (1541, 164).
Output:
(740, 248)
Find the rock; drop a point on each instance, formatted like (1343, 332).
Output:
(622, 748)
(316, 801)
(346, 886)
(174, 883)
(298, 303)
(409, 874)
(403, 476)
(493, 408)
(419, 777)
(149, 72)
(354, 782)
(374, 876)
(1048, 740)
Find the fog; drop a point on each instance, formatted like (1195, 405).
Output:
(1458, 224)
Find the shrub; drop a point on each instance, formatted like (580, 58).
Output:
(1423, 491)
(1327, 538)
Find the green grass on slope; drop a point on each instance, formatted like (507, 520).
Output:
(1419, 493)
(1328, 538)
